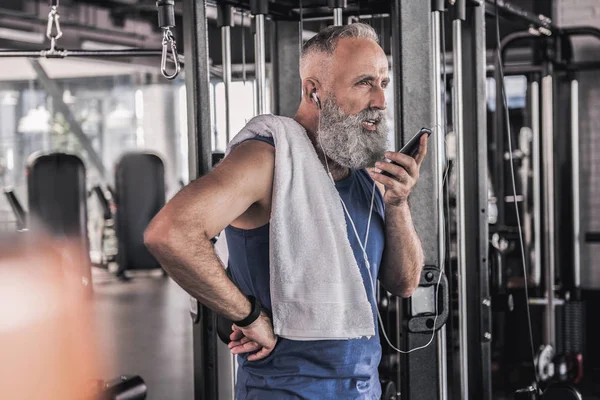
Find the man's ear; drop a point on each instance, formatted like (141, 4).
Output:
(310, 86)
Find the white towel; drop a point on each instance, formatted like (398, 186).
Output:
(317, 292)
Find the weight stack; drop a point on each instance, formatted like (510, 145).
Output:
(140, 194)
(570, 340)
(57, 197)
(570, 324)
(573, 327)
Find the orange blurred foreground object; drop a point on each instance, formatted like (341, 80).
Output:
(47, 347)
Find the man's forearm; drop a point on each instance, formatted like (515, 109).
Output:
(403, 255)
(196, 268)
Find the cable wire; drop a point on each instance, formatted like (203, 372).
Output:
(512, 170)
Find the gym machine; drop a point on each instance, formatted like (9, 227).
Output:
(17, 209)
(167, 52)
(108, 235)
(458, 362)
(551, 156)
(414, 322)
(140, 190)
(57, 197)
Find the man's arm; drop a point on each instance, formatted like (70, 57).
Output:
(403, 257)
(180, 235)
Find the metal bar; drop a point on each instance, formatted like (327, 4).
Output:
(413, 108)
(508, 10)
(549, 228)
(81, 53)
(239, 18)
(499, 124)
(514, 69)
(56, 94)
(575, 178)
(350, 15)
(536, 268)
(544, 301)
(225, 22)
(114, 53)
(440, 133)
(12, 15)
(259, 53)
(511, 39)
(200, 162)
(475, 185)
(520, 70)
(226, 57)
(498, 147)
(338, 17)
(460, 203)
(592, 237)
(21, 53)
(226, 372)
(581, 31)
(396, 50)
(17, 208)
(286, 74)
(579, 66)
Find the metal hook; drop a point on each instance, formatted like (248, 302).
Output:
(169, 41)
(53, 20)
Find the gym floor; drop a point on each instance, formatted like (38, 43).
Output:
(143, 327)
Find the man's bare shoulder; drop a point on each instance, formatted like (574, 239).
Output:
(251, 159)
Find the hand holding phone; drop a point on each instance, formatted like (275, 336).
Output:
(411, 147)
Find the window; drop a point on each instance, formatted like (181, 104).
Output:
(241, 111)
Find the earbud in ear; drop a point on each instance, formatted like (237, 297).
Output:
(316, 99)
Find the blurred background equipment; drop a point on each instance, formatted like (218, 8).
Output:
(140, 188)
(47, 338)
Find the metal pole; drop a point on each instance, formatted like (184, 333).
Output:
(56, 94)
(82, 53)
(461, 239)
(575, 183)
(337, 17)
(286, 75)
(226, 57)
(412, 62)
(200, 162)
(259, 54)
(548, 160)
(351, 18)
(337, 6)
(536, 268)
(438, 177)
(225, 22)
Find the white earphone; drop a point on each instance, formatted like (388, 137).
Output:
(316, 99)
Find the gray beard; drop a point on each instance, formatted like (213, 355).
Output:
(344, 140)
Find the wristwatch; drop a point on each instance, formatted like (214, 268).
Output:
(254, 313)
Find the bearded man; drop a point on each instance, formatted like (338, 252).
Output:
(344, 74)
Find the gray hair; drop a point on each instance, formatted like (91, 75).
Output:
(326, 40)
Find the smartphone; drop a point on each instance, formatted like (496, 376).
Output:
(412, 146)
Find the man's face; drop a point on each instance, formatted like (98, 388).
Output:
(352, 128)
(345, 140)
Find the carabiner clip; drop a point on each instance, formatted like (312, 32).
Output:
(53, 20)
(166, 43)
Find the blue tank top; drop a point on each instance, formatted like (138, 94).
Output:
(327, 369)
